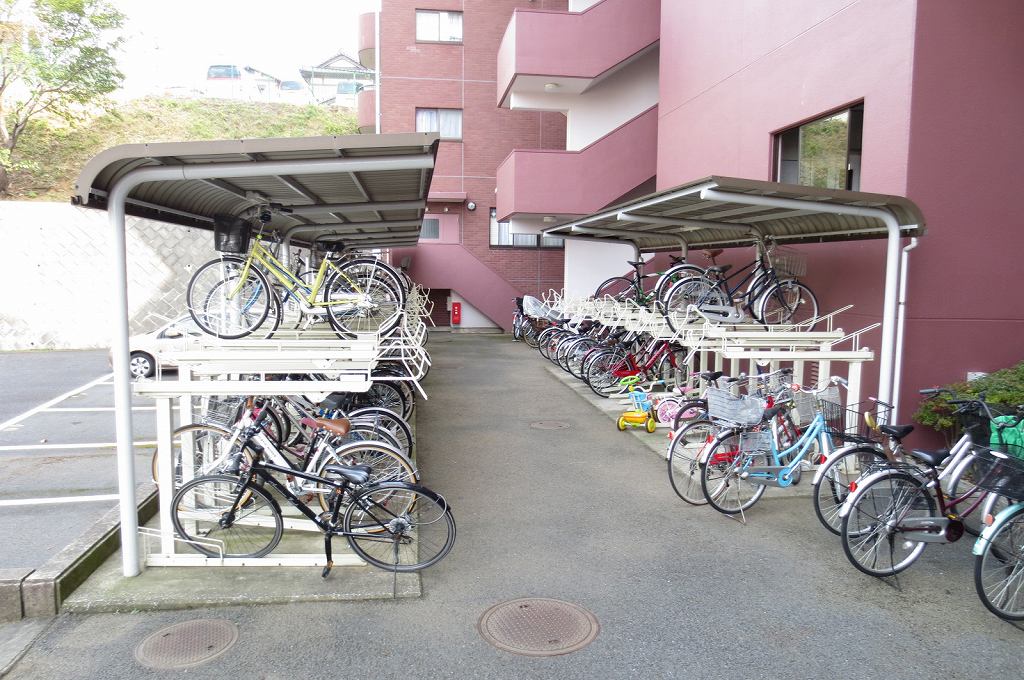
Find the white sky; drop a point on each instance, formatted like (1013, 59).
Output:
(173, 43)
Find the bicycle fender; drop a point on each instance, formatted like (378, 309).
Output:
(989, 531)
(831, 457)
(864, 483)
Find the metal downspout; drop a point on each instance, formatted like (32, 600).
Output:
(900, 321)
(116, 199)
(892, 266)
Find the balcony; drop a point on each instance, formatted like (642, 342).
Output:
(565, 53)
(579, 182)
(367, 41)
(366, 110)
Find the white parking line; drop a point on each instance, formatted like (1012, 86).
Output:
(61, 499)
(89, 409)
(59, 447)
(55, 400)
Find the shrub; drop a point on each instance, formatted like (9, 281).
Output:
(1003, 390)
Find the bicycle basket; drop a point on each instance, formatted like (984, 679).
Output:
(844, 424)
(789, 262)
(221, 411)
(999, 472)
(231, 234)
(722, 405)
(755, 441)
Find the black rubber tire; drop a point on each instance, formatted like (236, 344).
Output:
(833, 485)
(207, 499)
(199, 309)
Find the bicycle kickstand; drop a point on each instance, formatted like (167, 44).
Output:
(327, 552)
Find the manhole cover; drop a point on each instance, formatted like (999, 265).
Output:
(536, 626)
(187, 644)
(549, 425)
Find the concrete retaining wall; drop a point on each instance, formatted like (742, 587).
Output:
(56, 272)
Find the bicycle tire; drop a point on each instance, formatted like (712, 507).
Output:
(673, 274)
(832, 487)
(999, 568)
(382, 395)
(689, 411)
(208, 441)
(720, 478)
(385, 536)
(381, 314)
(199, 506)
(868, 523)
(618, 288)
(600, 376)
(370, 268)
(387, 464)
(530, 334)
(691, 291)
(787, 302)
(974, 522)
(390, 421)
(684, 454)
(207, 298)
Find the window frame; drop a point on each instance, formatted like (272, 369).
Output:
(854, 110)
(438, 13)
(437, 111)
(437, 221)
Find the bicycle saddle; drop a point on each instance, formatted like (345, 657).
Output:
(636, 265)
(712, 254)
(932, 458)
(338, 426)
(770, 413)
(712, 375)
(675, 259)
(719, 269)
(896, 431)
(357, 474)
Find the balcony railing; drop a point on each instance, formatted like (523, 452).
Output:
(563, 52)
(579, 182)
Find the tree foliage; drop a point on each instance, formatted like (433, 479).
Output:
(56, 58)
(1003, 390)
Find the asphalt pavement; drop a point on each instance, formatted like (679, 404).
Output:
(586, 515)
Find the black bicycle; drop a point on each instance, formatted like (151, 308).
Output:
(396, 526)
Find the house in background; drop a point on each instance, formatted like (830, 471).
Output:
(337, 80)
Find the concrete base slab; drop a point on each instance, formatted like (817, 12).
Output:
(171, 588)
(16, 638)
(10, 593)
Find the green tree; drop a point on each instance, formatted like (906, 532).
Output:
(56, 58)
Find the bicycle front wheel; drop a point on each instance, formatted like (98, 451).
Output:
(999, 569)
(399, 527)
(618, 288)
(722, 479)
(788, 302)
(361, 305)
(226, 304)
(875, 535)
(684, 455)
(205, 513)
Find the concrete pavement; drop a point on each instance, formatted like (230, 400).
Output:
(586, 515)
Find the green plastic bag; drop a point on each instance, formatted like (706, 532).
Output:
(1008, 439)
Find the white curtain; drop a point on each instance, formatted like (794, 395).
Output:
(450, 123)
(451, 26)
(426, 120)
(427, 25)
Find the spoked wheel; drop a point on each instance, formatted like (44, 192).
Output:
(789, 302)
(361, 304)
(387, 464)
(833, 485)
(618, 288)
(999, 569)
(383, 395)
(204, 512)
(227, 300)
(399, 527)
(684, 455)
(721, 476)
(600, 374)
(875, 534)
(691, 291)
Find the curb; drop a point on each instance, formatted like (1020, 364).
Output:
(44, 590)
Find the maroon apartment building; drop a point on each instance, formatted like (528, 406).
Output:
(568, 107)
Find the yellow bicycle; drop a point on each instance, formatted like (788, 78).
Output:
(231, 297)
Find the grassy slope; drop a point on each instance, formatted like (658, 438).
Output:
(55, 155)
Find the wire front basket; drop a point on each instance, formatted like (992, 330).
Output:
(789, 262)
(756, 441)
(220, 411)
(723, 406)
(999, 472)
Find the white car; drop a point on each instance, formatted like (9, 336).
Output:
(146, 348)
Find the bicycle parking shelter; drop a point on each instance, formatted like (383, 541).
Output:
(367, 191)
(728, 212)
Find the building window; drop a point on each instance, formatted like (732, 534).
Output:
(446, 121)
(823, 153)
(431, 229)
(434, 26)
(502, 236)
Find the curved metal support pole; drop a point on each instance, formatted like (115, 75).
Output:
(892, 266)
(900, 321)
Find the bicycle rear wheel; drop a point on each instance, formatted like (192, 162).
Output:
(399, 527)
(600, 374)
(999, 569)
(366, 304)
(721, 481)
(788, 302)
(204, 510)
(618, 288)
(873, 535)
(833, 483)
(684, 455)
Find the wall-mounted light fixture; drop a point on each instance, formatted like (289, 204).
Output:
(551, 87)
(471, 206)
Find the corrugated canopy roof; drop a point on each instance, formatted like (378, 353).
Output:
(723, 212)
(366, 190)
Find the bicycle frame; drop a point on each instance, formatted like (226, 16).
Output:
(781, 474)
(306, 295)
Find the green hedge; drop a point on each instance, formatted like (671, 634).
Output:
(1002, 388)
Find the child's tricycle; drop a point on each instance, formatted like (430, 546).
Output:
(642, 414)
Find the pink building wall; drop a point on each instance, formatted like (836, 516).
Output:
(966, 310)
